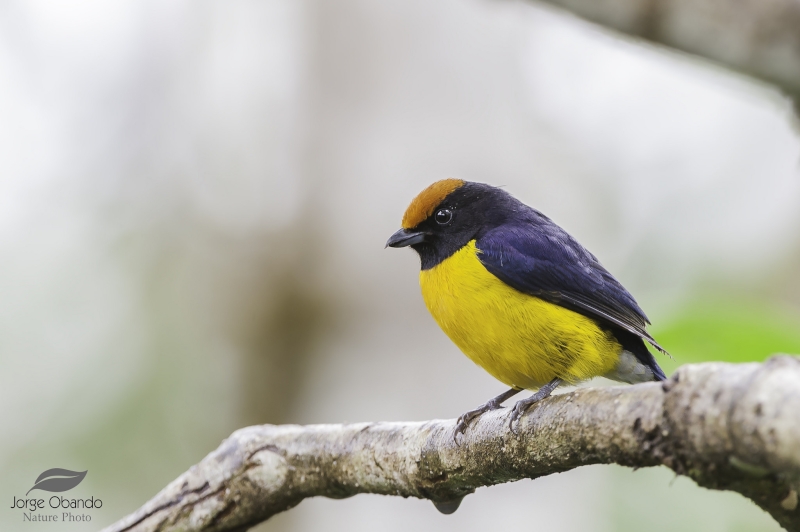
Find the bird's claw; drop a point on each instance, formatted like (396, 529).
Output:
(524, 404)
(492, 404)
(516, 413)
(464, 420)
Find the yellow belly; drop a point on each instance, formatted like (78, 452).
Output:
(521, 340)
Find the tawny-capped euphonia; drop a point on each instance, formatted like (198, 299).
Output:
(521, 297)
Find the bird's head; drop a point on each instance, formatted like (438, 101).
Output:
(444, 217)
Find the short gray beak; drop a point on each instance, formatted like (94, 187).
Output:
(404, 238)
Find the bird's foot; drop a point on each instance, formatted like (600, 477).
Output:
(520, 409)
(523, 404)
(465, 419)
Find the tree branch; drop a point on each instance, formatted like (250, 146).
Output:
(760, 38)
(728, 427)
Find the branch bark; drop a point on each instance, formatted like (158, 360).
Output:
(728, 427)
(760, 38)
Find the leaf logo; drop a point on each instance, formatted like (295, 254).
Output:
(58, 480)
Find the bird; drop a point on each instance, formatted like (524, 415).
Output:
(521, 297)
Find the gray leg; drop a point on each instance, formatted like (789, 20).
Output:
(523, 404)
(492, 404)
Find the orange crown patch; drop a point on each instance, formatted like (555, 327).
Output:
(426, 201)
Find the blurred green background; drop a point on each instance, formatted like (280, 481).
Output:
(731, 330)
(195, 197)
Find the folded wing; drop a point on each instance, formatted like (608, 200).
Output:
(537, 257)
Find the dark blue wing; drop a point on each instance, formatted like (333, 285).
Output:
(537, 257)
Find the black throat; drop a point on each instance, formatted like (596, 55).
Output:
(476, 207)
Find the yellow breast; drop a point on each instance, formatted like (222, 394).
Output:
(521, 340)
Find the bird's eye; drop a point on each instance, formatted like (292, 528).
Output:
(443, 216)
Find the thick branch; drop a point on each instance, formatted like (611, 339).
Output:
(760, 38)
(730, 427)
